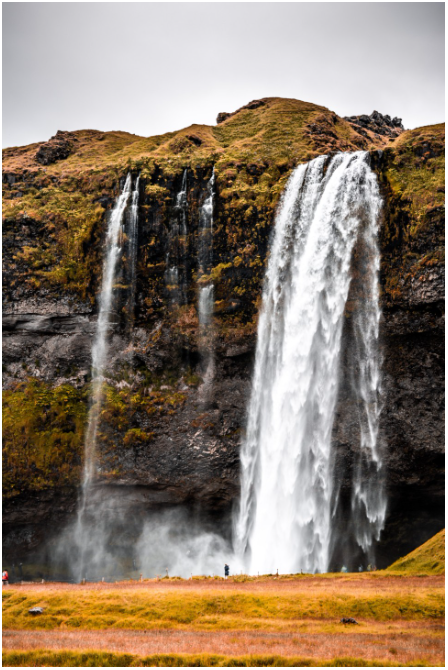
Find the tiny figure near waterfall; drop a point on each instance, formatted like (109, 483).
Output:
(226, 571)
(5, 578)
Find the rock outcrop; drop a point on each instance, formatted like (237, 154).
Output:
(57, 148)
(376, 123)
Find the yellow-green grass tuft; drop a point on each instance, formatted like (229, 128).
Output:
(42, 658)
(428, 559)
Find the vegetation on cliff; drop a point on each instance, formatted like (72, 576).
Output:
(43, 436)
(413, 231)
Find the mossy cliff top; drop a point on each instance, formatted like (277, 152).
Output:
(60, 189)
(278, 131)
(417, 170)
(413, 236)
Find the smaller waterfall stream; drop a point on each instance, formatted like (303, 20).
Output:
(206, 288)
(182, 203)
(88, 545)
(284, 518)
(133, 250)
(100, 346)
(176, 258)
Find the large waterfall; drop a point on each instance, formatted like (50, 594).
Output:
(284, 520)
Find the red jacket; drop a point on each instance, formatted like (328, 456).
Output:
(5, 576)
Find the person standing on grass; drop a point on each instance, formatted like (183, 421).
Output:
(226, 571)
(5, 578)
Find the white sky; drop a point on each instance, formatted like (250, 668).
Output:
(149, 68)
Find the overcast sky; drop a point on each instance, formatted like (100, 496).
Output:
(149, 68)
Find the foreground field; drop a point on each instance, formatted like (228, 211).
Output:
(262, 622)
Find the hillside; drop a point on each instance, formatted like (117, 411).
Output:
(427, 559)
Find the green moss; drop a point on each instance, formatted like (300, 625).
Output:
(137, 436)
(43, 435)
(417, 173)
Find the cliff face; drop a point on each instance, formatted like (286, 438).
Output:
(164, 440)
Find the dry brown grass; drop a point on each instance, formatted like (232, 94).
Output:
(392, 646)
(263, 628)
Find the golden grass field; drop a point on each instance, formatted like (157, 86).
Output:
(265, 621)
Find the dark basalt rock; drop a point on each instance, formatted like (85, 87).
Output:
(377, 123)
(195, 139)
(59, 147)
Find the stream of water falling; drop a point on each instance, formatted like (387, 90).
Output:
(100, 348)
(206, 291)
(176, 258)
(284, 516)
(133, 249)
(100, 352)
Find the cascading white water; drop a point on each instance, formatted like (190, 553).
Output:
(91, 546)
(133, 248)
(182, 203)
(368, 499)
(284, 517)
(176, 261)
(206, 291)
(100, 346)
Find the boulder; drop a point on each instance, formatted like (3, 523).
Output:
(59, 147)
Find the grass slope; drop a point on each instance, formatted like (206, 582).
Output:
(429, 558)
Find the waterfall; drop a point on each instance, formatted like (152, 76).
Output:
(133, 250)
(182, 204)
(206, 288)
(284, 517)
(88, 545)
(368, 500)
(176, 258)
(100, 346)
